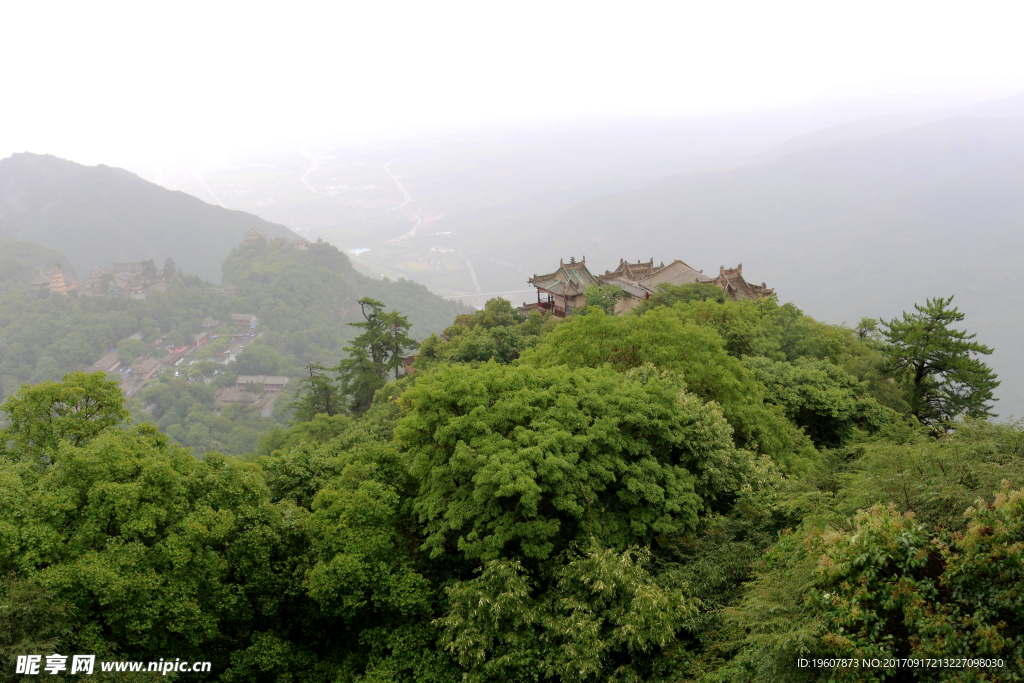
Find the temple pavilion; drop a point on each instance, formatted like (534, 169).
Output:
(562, 291)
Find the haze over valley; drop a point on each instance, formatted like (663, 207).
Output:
(849, 217)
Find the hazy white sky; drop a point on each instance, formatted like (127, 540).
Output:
(108, 82)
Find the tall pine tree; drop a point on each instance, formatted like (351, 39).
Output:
(941, 373)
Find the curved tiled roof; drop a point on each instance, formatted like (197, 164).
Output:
(571, 279)
(675, 273)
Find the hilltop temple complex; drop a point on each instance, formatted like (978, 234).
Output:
(564, 290)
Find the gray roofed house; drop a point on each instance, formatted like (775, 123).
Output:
(147, 368)
(245, 320)
(272, 384)
(109, 363)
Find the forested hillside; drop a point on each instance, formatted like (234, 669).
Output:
(101, 215)
(701, 490)
(303, 298)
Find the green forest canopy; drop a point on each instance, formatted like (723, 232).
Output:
(702, 492)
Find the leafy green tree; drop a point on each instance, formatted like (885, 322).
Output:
(107, 283)
(44, 416)
(317, 394)
(131, 349)
(670, 295)
(396, 340)
(522, 462)
(32, 619)
(820, 397)
(497, 312)
(604, 298)
(664, 338)
(359, 378)
(321, 429)
(155, 552)
(258, 359)
(170, 271)
(149, 269)
(943, 377)
(604, 617)
(372, 340)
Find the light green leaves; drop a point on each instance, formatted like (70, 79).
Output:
(44, 416)
(522, 462)
(601, 617)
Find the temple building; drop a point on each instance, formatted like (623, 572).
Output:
(640, 280)
(254, 236)
(59, 283)
(93, 285)
(562, 291)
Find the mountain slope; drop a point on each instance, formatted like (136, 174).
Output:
(22, 261)
(99, 215)
(862, 228)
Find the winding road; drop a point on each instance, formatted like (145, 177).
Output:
(401, 188)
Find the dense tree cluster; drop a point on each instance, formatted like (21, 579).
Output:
(702, 490)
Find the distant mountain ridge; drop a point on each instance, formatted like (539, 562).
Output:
(1006, 108)
(99, 215)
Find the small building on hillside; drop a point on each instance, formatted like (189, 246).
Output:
(563, 291)
(272, 384)
(254, 236)
(235, 395)
(147, 368)
(244, 320)
(109, 363)
(40, 284)
(93, 285)
(210, 323)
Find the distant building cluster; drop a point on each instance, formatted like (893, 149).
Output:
(134, 375)
(131, 279)
(563, 291)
